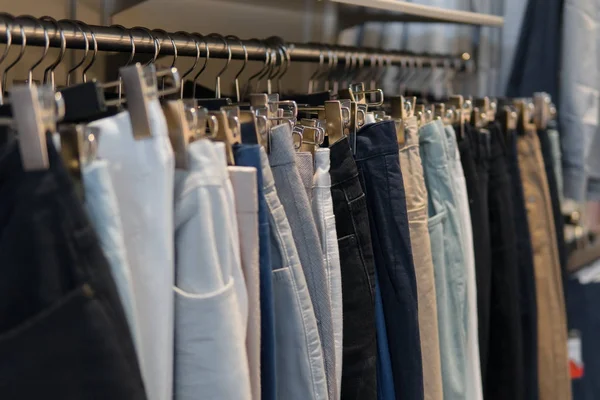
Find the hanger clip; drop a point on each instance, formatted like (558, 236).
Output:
(142, 90)
(35, 111)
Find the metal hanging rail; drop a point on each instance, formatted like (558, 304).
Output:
(118, 39)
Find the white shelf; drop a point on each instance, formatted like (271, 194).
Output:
(404, 11)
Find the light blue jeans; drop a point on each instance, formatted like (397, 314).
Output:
(448, 259)
(298, 352)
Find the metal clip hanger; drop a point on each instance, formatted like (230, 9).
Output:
(78, 148)
(525, 111)
(312, 135)
(229, 130)
(36, 111)
(543, 103)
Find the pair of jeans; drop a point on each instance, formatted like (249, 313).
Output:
(63, 331)
(457, 176)
(526, 286)
(359, 379)
(548, 156)
(142, 175)
(416, 206)
(505, 369)
(448, 260)
(474, 156)
(553, 371)
(210, 331)
(300, 370)
(249, 156)
(378, 162)
(322, 205)
(293, 196)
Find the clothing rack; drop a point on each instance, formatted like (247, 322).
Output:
(119, 39)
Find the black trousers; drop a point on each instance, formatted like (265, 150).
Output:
(504, 371)
(359, 371)
(378, 161)
(527, 287)
(63, 332)
(474, 155)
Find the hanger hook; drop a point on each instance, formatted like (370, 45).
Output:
(49, 71)
(172, 44)
(287, 60)
(156, 43)
(129, 61)
(207, 49)
(189, 71)
(5, 53)
(274, 72)
(237, 76)
(311, 80)
(267, 71)
(266, 63)
(21, 52)
(94, 54)
(85, 51)
(218, 79)
(46, 46)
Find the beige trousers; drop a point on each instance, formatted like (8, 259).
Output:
(553, 363)
(416, 205)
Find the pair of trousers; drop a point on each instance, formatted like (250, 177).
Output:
(249, 156)
(526, 286)
(378, 162)
(103, 211)
(505, 369)
(63, 331)
(359, 361)
(416, 206)
(474, 388)
(322, 205)
(448, 260)
(210, 331)
(474, 156)
(243, 180)
(294, 199)
(548, 157)
(553, 371)
(142, 176)
(300, 370)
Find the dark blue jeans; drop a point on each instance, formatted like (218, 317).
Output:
(248, 155)
(378, 162)
(63, 331)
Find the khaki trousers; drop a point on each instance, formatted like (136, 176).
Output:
(553, 363)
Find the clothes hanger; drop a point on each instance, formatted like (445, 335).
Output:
(30, 80)
(85, 50)
(197, 76)
(21, 52)
(236, 80)
(311, 80)
(49, 71)
(259, 72)
(196, 59)
(174, 52)
(4, 55)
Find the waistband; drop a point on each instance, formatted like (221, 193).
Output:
(342, 164)
(432, 145)
(376, 140)
(282, 146)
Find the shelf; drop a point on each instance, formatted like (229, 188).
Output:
(404, 11)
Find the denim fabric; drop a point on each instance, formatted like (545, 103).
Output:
(378, 162)
(304, 161)
(359, 379)
(527, 286)
(385, 376)
(553, 372)
(557, 161)
(548, 156)
(210, 333)
(448, 260)
(474, 384)
(243, 180)
(142, 175)
(63, 331)
(475, 162)
(300, 370)
(322, 205)
(103, 210)
(582, 313)
(416, 206)
(505, 373)
(249, 155)
(292, 194)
